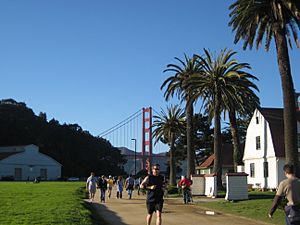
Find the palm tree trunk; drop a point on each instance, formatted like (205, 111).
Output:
(189, 137)
(237, 153)
(289, 111)
(172, 162)
(217, 142)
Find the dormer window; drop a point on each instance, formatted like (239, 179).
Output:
(258, 143)
(257, 120)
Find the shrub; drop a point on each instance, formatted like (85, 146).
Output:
(172, 189)
(7, 178)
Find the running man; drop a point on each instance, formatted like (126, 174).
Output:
(91, 186)
(154, 183)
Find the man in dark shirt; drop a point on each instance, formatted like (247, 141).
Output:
(102, 184)
(154, 183)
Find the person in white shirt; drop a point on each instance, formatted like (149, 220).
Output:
(91, 185)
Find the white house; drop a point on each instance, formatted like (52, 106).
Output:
(26, 162)
(264, 154)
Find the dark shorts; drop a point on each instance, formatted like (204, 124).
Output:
(154, 206)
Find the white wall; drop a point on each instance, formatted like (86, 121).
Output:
(265, 154)
(31, 162)
(258, 180)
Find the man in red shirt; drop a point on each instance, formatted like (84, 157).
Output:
(185, 185)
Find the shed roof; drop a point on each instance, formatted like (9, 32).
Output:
(227, 157)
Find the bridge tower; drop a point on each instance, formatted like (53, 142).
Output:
(147, 139)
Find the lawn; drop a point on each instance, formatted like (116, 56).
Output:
(44, 203)
(257, 207)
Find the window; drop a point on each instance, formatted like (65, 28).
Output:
(258, 143)
(43, 174)
(257, 120)
(266, 169)
(18, 173)
(252, 174)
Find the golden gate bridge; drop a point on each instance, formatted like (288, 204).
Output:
(134, 134)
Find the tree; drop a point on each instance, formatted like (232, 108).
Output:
(169, 126)
(244, 103)
(278, 19)
(77, 150)
(203, 139)
(217, 85)
(177, 85)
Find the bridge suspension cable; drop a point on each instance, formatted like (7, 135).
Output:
(121, 124)
(123, 133)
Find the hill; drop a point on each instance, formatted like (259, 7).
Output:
(77, 150)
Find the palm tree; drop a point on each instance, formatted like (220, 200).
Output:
(169, 127)
(278, 19)
(177, 85)
(246, 104)
(217, 85)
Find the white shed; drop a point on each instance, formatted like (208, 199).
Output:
(26, 162)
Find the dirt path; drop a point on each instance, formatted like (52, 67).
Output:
(133, 212)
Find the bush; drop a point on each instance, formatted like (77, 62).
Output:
(172, 189)
(8, 178)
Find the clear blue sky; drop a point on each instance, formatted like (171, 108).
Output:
(97, 62)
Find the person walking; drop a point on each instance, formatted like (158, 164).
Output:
(185, 185)
(140, 180)
(119, 184)
(102, 185)
(110, 184)
(129, 184)
(91, 184)
(290, 189)
(154, 183)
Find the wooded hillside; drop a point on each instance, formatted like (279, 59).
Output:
(77, 150)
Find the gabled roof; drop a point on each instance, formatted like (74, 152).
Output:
(227, 157)
(4, 155)
(274, 116)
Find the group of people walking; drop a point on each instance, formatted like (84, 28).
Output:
(105, 184)
(154, 183)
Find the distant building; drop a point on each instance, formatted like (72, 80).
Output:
(206, 167)
(264, 154)
(26, 162)
(162, 159)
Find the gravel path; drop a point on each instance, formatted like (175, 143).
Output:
(133, 212)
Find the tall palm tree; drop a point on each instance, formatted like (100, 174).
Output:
(217, 84)
(177, 85)
(169, 126)
(246, 104)
(278, 19)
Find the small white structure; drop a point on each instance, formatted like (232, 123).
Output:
(236, 186)
(264, 154)
(211, 185)
(27, 163)
(198, 187)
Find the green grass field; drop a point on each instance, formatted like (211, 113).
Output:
(44, 203)
(256, 208)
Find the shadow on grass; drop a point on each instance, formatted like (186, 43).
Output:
(95, 217)
(261, 196)
(98, 218)
(102, 215)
